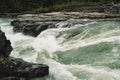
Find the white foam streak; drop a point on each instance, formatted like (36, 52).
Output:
(59, 71)
(88, 42)
(48, 43)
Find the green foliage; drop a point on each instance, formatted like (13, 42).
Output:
(57, 7)
(41, 5)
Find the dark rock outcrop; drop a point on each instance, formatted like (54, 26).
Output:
(31, 27)
(5, 45)
(17, 69)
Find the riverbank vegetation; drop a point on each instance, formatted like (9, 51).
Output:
(15, 6)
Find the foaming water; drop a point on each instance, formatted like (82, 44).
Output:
(77, 52)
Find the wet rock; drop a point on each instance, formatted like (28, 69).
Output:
(32, 28)
(17, 69)
(5, 45)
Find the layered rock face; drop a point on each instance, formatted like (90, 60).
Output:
(34, 24)
(17, 69)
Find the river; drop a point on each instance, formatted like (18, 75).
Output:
(82, 52)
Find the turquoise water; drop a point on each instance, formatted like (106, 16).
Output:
(87, 52)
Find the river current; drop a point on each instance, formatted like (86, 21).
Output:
(81, 52)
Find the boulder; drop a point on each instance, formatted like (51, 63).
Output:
(5, 45)
(17, 69)
(29, 27)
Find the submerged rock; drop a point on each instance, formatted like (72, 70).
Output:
(17, 69)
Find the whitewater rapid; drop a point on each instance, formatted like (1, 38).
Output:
(81, 52)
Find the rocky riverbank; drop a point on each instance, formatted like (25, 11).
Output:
(34, 24)
(9, 15)
(17, 69)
